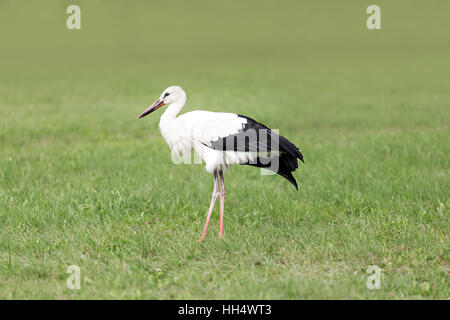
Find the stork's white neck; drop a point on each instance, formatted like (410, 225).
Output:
(172, 110)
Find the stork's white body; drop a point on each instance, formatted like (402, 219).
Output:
(194, 131)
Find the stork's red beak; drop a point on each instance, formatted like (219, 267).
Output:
(157, 104)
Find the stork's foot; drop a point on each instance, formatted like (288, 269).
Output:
(203, 234)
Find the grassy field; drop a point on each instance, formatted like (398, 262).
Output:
(82, 182)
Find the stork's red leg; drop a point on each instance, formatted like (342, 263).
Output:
(222, 202)
(211, 206)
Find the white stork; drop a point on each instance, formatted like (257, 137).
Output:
(222, 139)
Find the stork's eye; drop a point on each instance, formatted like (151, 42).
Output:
(166, 94)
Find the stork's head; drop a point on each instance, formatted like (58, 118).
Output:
(170, 95)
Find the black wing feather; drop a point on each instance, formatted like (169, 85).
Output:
(262, 142)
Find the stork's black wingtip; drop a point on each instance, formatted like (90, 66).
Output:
(294, 183)
(300, 155)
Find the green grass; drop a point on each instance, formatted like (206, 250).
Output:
(83, 182)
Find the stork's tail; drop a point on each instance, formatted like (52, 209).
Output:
(287, 160)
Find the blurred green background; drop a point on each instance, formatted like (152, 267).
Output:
(83, 182)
